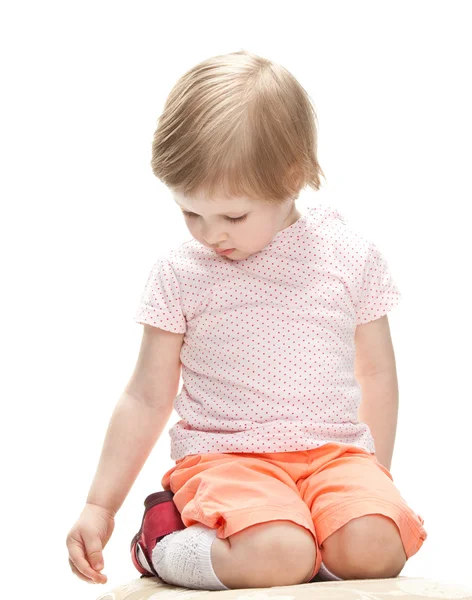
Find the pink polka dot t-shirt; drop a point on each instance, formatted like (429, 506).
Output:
(268, 355)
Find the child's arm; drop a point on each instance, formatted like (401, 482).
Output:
(379, 409)
(377, 376)
(139, 417)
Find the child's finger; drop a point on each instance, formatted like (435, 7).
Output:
(99, 578)
(93, 548)
(79, 562)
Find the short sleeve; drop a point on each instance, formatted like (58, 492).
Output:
(378, 293)
(161, 304)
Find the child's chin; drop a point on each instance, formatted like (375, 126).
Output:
(239, 255)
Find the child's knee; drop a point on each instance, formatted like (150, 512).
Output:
(276, 553)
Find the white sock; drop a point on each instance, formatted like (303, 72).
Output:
(326, 575)
(183, 558)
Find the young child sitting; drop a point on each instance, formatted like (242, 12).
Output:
(277, 321)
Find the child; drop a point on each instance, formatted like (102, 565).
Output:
(278, 321)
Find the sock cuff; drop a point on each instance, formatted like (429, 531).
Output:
(204, 543)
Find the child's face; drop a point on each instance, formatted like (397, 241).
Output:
(211, 224)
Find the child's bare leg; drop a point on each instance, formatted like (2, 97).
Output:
(265, 555)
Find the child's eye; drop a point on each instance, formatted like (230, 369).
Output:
(237, 220)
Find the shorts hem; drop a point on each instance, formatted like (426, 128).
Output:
(247, 517)
(372, 505)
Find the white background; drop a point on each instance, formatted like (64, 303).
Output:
(83, 220)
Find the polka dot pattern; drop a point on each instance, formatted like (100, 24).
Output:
(268, 355)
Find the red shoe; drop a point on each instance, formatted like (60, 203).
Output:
(161, 517)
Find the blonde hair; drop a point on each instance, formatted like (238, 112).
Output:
(237, 125)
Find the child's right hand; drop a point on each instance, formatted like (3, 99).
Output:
(86, 541)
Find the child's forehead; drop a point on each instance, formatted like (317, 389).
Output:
(214, 205)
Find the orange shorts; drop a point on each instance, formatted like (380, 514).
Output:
(321, 489)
